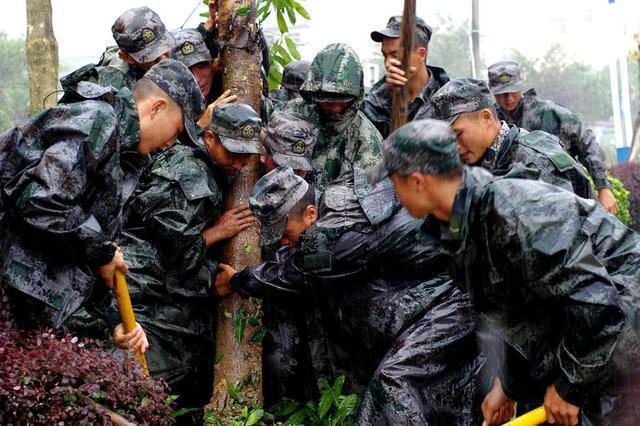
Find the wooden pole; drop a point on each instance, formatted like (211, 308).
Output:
(400, 101)
(240, 361)
(475, 38)
(42, 56)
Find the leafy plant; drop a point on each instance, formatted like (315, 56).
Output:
(47, 378)
(629, 175)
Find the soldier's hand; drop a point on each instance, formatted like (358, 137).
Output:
(497, 408)
(395, 75)
(558, 410)
(230, 224)
(108, 272)
(225, 98)
(212, 20)
(608, 200)
(136, 340)
(223, 279)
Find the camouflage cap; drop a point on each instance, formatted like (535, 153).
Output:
(190, 47)
(294, 75)
(423, 146)
(393, 30)
(176, 79)
(272, 198)
(291, 140)
(335, 76)
(141, 33)
(238, 127)
(505, 77)
(459, 96)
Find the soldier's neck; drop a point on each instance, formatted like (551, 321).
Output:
(418, 83)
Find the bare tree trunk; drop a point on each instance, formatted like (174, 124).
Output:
(42, 55)
(400, 95)
(241, 363)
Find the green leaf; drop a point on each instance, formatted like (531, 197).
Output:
(171, 399)
(182, 411)
(291, 45)
(204, 14)
(102, 394)
(248, 248)
(301, 10)
(218, 358)
(291, 13)
(240, 324)
(243, 11)
(258, 335)
(326, 401)
(145, 401)
(245, 412)
(297, 418)
(233, 392)
(205, 2)
(337, 386)
(282, 25)
(211, 419)
(285, 55)
(284, 408)
(254, 417)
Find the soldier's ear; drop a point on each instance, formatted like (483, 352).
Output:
(310, 215)
(417, 181)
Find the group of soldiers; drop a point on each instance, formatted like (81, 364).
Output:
(449, 269)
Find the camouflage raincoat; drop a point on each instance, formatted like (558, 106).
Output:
(171, 273)
(377, 103)
(534, 113)
(384, 299)
(542, 152)
(557, 279)
(66, 176)
(346, 141)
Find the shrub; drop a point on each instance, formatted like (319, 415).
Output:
(629, 174)
(47, 378)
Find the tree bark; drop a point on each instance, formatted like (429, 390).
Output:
(241, 362)
(42, 56)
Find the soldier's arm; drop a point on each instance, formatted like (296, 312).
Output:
(554, 264)
(583, 144)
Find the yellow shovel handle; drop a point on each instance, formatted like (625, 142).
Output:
(126, 313)
(532, 418)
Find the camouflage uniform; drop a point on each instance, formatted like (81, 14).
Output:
(291, 141)
(348, 144)
(537, 150)
(553, 275)
(540, 114)
(293, 75)
(138, 32)
(377, 103)
(66, 176)
(383, 294)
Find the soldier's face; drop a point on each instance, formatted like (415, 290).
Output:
(474, 136)
(509, 101)
(392, 49)
(203, 72)
(329, 109)
(297, 226)
(160, 124)
(229, 162)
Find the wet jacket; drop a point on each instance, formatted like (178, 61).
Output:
(66, 176)
(378, 102)
(171, 273)
(555, 277)
(110, 71)
(543, 152)
(534, 113)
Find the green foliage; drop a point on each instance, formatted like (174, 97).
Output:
(451, 37)
(14, 82)
(623, 197)
(284, 50)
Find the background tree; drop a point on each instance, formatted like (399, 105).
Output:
(42, 55)
(14, 86)
(449, 37)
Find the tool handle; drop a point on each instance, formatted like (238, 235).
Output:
(532, 418)
(126, 313)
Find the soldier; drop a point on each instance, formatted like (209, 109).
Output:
(193, 53)
(423, 80)
(384, 297)
(66, 176)
(174, 227)
(486, 141)
(142, 41)
(289, 141)
(529, 112)
(293, 75)
(553, 274)
(348, 144)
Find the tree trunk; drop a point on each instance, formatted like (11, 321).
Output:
(42, 56)
(241, 364)
(400, 95)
